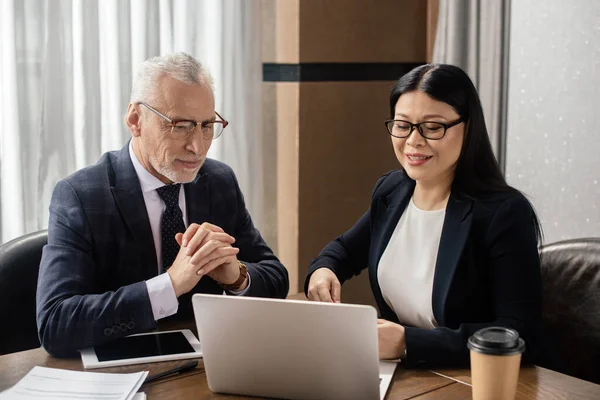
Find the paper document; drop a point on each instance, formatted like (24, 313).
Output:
(60, 384)
(386, 373)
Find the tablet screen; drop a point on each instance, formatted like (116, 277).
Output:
(144, 346)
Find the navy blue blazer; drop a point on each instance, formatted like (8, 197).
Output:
(100, 251)
(487, 270)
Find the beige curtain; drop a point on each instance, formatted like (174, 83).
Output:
(65, 76)
(474, 35)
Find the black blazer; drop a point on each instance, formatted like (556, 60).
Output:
(487, 270)
(91, 285)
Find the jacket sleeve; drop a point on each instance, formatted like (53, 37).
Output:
(269, 278)
(71, 315)
(515, 281)
(348, 254)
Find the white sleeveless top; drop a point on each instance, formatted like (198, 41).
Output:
(407, 266)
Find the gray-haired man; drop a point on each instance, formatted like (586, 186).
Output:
(131, 238)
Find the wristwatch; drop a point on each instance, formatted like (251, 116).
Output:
(240, 280)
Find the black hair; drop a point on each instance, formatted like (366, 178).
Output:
(477, 171)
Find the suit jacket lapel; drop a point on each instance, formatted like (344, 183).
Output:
(389, 211)
(197, 199)
(128, 196)
(455, 232)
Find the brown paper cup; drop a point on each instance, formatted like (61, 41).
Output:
(495, 363)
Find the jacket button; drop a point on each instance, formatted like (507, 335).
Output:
(107, 331)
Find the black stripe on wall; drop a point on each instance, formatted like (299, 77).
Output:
(335, 72)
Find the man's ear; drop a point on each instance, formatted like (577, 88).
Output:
(133, 120)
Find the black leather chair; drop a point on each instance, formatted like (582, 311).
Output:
(571, 312)
(19, 266)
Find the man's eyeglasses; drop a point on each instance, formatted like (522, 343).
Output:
(428, 129)
(183, 128)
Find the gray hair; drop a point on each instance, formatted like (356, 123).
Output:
(180, 66)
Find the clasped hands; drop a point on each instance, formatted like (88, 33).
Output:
(204, 250)
(324, 286)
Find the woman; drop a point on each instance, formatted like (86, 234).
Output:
(449, 245)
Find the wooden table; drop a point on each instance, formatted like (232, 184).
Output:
(534, 382)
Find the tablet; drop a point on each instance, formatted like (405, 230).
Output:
(143, 348)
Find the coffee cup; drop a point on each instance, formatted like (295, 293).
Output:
(495, 363)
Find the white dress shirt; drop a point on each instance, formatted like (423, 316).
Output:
(407, 266)
(160, 288)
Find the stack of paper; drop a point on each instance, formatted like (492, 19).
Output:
(51, 383)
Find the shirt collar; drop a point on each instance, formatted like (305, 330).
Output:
(148, 182)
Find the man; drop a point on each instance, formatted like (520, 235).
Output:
(131, 238)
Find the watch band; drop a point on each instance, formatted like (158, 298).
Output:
(240, 280)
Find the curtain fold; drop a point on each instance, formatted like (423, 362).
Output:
(13, 214)
(474, 35)
(240, 148)
(66, 68)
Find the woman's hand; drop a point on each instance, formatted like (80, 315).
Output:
(392, 343)
(324, 286)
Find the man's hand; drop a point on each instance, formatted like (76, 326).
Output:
(205, 250)
(392, 343)
(183, 273)
(324, 286)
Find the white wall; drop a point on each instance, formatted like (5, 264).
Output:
(553, 143)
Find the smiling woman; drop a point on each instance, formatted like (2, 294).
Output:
(445, 94)
(449, 245)
(430, 154)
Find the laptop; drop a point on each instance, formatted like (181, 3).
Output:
(289, 349)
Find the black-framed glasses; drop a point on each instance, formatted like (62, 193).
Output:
(428, 129)
(183, 128)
